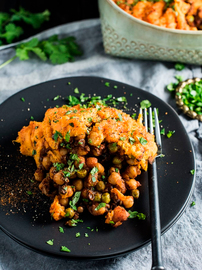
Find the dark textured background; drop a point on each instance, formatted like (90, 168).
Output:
(61, 11)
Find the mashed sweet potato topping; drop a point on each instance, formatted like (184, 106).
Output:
(88, 158)
(174, 14)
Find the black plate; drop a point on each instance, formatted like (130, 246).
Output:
(25, 217)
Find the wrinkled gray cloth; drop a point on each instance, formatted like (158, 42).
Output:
(182, 244)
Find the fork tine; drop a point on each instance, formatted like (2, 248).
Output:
(145, 119)
(151, 128)
(140, 112)
(157, 132)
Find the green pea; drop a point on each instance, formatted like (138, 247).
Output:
(113, 147)
(106, 197)
(82, 173)
(135, 193)
(100, 186)
(69, 212)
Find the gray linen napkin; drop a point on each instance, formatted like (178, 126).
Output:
(182, 243)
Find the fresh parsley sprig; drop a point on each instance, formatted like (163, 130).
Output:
(10, 31)
(58, 51)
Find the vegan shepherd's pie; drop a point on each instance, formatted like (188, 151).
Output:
(88, 159)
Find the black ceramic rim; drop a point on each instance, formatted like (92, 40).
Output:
(33, 225)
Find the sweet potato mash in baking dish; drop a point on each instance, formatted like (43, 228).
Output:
(174, 14)
(87, 159)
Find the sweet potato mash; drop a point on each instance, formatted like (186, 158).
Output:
(174, 14)
(88, 158)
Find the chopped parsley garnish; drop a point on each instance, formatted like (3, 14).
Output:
(192, 172)
(191, 96)
(133, 115)
(86, 235)
(144, 104)
(57, 135)
(131, 140)
(111, 222)
(107, 84)
(33, 152)
(193, 203)
(23, 99)
(179, 66)
(56, 98)
(58, 166)
(50, 242)
(142, 140)
(122, 138)
(163, 131)
(78, 234)
(76, 90)
(61, 229)
(65, 249)
(120, 117)
(121, 99)
(81, 166)
(170, 133)
(100, 205)
(135, 214)
(74, 200)
(29, 192)
(73, 100)
(67, 136)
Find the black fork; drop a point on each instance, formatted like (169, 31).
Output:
(157, 262)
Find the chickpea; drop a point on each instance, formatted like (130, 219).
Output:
(84, 193)
(81, 160)
(52, 172)
(132, 184)
(46, 162)
(39, 175)
(106, 197)
(113, 169)
(82, 151)
(113, 147)
(117, 160)
(82, 173)
(128, 201)
(59, 178)
(133, 171)
(78, 183)
(80, 209)
(100, 168)
(131, 161)
(63, 151)
(69, 212)
(100, 186)
(64, 201)
(91, 162)
(135, 193)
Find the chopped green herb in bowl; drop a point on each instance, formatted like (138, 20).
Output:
(189, 97)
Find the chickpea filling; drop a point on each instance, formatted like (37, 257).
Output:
(88, 159)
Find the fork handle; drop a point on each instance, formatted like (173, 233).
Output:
(155, 218)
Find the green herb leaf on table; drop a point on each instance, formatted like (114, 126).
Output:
(58, 51)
